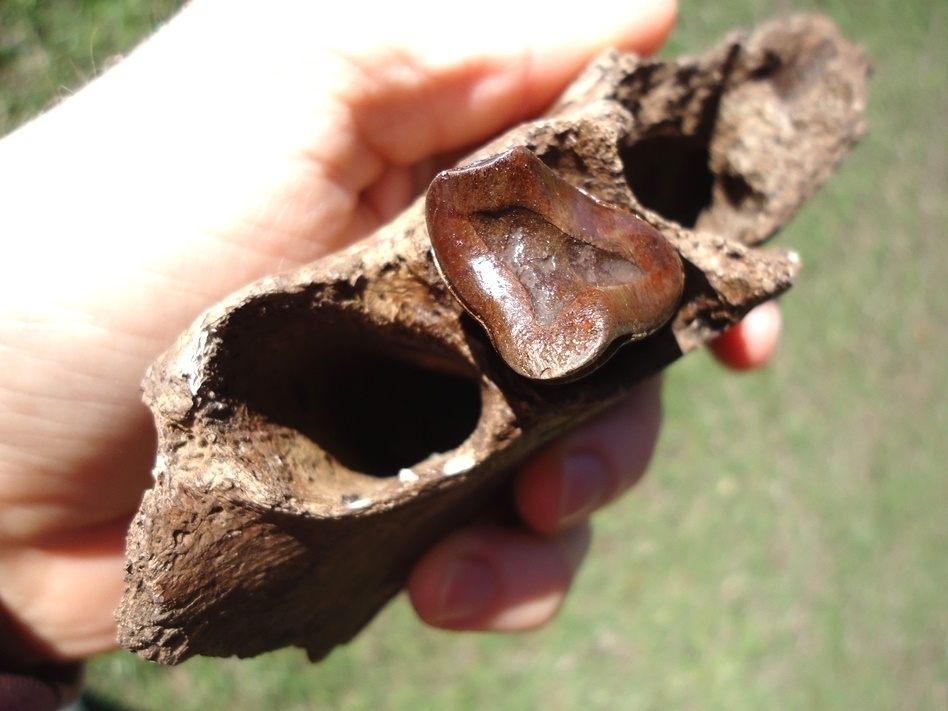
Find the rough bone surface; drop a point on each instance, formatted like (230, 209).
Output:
(321, 428)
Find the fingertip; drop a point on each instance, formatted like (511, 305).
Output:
(647, 31)
(752, 342)
(490, 579)
(640, 26)
(439, 91)
(592, 465)
(537, 492)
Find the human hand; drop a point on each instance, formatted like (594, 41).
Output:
(241, 140)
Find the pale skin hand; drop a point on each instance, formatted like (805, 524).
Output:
(245, 139)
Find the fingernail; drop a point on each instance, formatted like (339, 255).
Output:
(469, 586)
(585, 482)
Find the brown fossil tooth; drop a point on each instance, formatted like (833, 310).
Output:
(556, 277)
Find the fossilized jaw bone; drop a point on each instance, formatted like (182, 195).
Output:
(319, 429)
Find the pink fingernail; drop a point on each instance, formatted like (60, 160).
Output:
(469, 587)
(585, 482)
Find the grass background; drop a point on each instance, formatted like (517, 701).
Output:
(789, 549)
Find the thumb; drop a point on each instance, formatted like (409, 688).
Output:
(429, 82)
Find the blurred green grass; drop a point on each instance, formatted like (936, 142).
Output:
(788, 549)
(50, 49)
